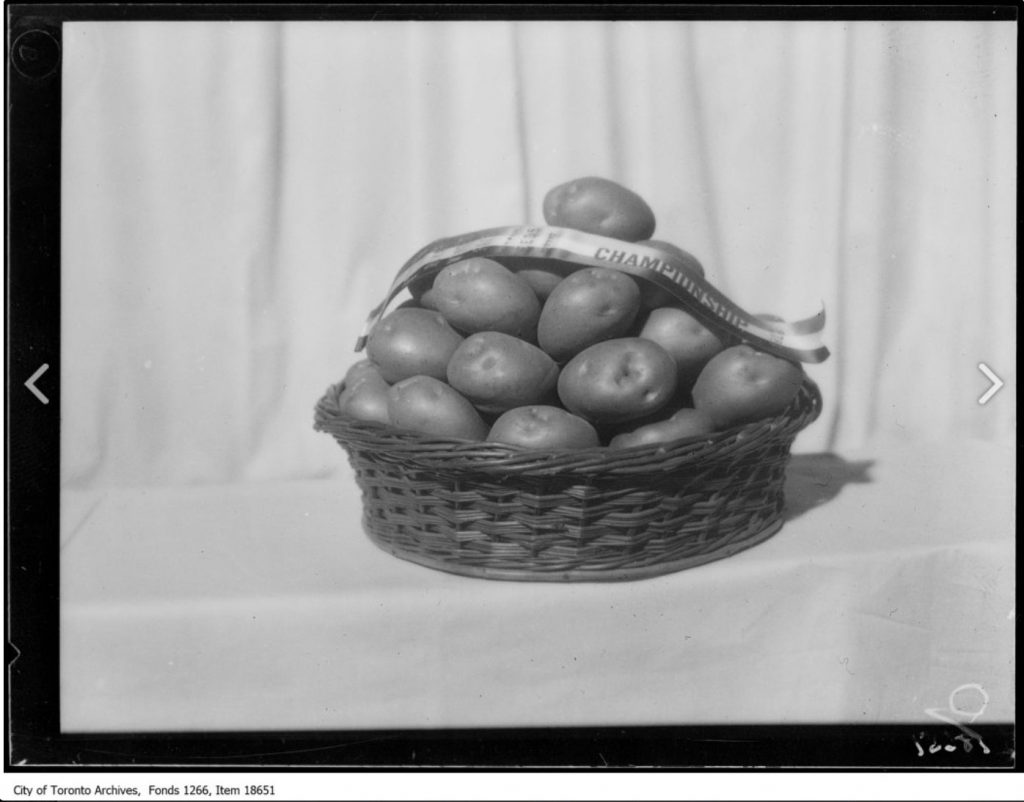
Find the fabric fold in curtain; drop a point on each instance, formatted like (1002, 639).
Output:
(237, 196)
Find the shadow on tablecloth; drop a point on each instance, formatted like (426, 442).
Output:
(816, 479)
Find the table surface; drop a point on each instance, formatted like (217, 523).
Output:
(889, 592)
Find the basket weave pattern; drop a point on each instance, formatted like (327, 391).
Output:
(494, 511)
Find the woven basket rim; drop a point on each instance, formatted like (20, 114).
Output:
(424, 451)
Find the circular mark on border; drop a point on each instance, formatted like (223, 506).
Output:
(35, 53)
(956, 710)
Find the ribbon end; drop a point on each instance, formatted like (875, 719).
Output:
(820, 355)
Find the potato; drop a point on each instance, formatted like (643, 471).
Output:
(412, 342)
(541, 274)
(365, 398)
(688, 341)
(588, 306)
(543, 427)
(542, 281)
(687, 422)
(429, 406)
(618, 380)
(497, 372)
(419, 285)
(599, 206)
(412, 303)
(360, 370)
(653, 296)
(479, 294)
(743, 385)
(660, 415)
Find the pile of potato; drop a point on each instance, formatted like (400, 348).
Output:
(544, 354)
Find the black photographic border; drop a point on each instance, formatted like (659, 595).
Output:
(32, 452)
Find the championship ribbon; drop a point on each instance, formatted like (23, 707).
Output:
(798, 341)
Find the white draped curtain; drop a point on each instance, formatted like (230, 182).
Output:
(237, 196)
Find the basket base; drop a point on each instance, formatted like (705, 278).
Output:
(738, 543)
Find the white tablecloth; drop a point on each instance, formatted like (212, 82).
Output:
(889, 591)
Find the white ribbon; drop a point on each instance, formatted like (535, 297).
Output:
(798, 341)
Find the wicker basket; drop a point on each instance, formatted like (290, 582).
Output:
(494, 511)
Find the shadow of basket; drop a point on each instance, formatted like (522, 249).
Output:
(816, 479)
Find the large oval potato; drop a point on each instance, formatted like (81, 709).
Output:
(479, 294)
(688, 341)
(543, 427)
(588, 306)
(426, 405)
(497, 372)
(687, 422)
(743, 385)
(412, 342)
(599, 206)
(618, 380)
